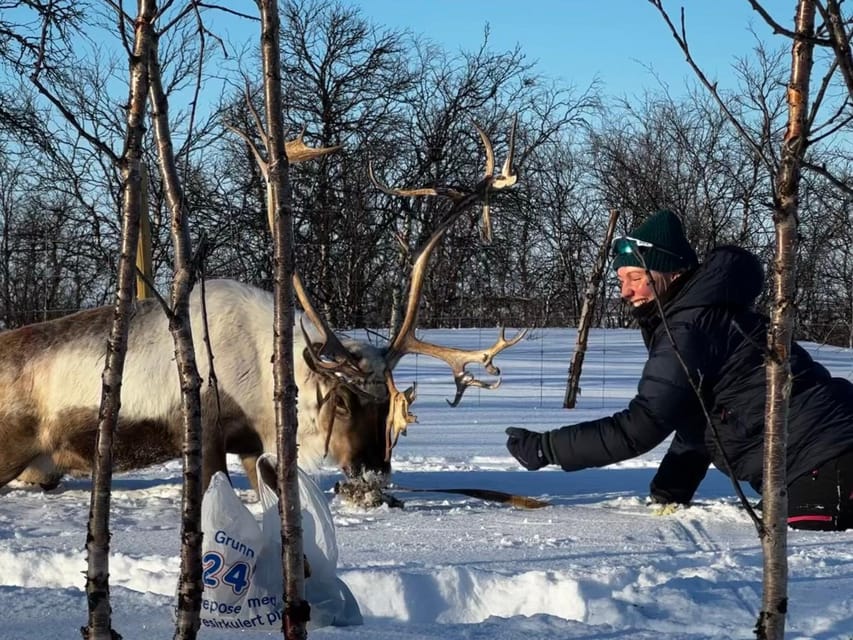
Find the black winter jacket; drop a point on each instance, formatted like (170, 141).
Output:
(721, 340)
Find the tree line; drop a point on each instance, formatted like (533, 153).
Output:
(404, 106)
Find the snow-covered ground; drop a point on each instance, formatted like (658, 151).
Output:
(598, 563)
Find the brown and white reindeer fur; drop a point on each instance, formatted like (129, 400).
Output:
(50, 389)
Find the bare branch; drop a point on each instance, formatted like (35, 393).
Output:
(123, 18)
(262, 164)
(190, 7)
(681, 39)
(839, 40)
(780, 30)
(822, 170)
(838, 124)
(228, 10)
(820, 94)
(72, 120)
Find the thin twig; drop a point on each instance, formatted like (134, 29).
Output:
(681, 39)
(839, 40)
(212, 380)
(72, 120)
(167, 310)
(780, 30)
(821, 169)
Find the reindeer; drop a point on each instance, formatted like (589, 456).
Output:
(349, 408)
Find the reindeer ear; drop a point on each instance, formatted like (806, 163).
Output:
(266, 471)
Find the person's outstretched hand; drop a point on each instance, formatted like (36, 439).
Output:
(526, 447)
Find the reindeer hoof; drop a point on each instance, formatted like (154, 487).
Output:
(50, 485)
(45, 477)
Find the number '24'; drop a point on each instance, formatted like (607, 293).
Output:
(237, 576)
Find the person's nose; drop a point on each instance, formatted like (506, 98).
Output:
(627, 290)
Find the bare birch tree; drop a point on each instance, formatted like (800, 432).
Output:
(279, 202)
(98, 536)
(190, 586)
(771, 619)
(801, 115)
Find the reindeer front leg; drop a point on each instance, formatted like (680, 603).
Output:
(43, 472)
(213, 453)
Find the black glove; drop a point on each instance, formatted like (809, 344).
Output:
(527, 447)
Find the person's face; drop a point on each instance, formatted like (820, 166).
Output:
(636, 286)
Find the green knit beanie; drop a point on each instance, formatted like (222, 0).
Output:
(671, 251)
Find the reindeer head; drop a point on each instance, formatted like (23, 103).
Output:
(360, 408)
(347, 402)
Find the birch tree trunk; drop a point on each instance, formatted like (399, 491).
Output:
(774, 535)
(98, 535)
(591, 295)
(189, 586)
(296, 608)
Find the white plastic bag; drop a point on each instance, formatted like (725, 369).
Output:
(242, 559)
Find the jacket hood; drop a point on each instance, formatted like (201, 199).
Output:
(729, 277)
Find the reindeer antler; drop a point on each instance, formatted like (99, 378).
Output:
(405, 342)
(399, 417)
(505, 179)
(461, 202)
(331, 356)
(463, 199)
(298, 151)
(459, 358)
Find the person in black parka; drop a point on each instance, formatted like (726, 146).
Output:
(721, 341)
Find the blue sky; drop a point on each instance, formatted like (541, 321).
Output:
(575, 41)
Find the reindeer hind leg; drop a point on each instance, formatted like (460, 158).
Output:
(19, 435)
(227, 428)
